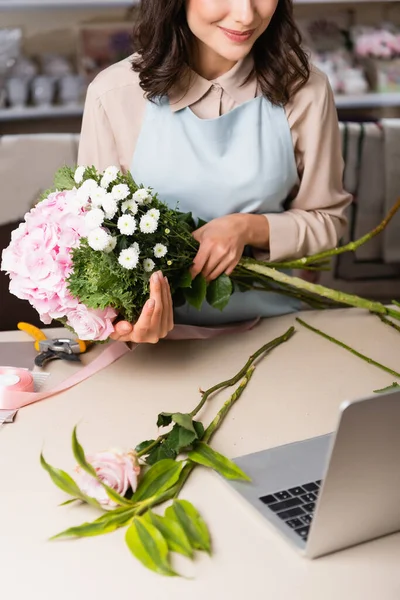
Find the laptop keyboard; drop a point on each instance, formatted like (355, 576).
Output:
(295, 506)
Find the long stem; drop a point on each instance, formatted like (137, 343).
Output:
(320, 290)
(349, 349)
(389, 322)
(350, 247)
(230, 382)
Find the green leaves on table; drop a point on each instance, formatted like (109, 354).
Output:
(203, 454)
(192, 523)
(148, 545)
(183, 434)
(158, 479)
(107, 523)
(152, 537)
(394, 386)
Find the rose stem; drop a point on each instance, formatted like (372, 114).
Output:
(342, 345)
(205, 395)
(229, 382)
(320, 290)
(209, 432)
(389, 322)
(350, 247)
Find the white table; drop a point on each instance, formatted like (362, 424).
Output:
(294, 394)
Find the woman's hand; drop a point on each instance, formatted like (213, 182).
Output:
(222, 243)
(156, 320)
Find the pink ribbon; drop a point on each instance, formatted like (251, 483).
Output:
(10, 400)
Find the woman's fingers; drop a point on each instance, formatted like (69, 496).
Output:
(156, 318)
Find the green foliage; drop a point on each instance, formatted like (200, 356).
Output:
(206, 456)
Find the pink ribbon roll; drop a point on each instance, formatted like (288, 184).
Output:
(15, 380)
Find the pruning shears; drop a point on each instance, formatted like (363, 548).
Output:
(51, 349)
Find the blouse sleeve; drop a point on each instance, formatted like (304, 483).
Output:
(97, 145)
(316, 218)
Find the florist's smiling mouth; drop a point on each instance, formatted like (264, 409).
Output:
(237, 36)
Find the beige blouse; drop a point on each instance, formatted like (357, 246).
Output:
(114, 112)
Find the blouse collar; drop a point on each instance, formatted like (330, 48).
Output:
(232, 83)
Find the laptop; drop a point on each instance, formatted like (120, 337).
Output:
(334, 491)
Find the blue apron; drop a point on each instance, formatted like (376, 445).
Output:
(240, 162)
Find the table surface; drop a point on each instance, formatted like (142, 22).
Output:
(295, 394)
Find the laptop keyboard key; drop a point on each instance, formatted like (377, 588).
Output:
(311, 487)
(291, 513)
(297, 491)
(268, 499)
(290, 503)
(303, 532)
(307, 519)
(309, 497)
(282, 495)
(309, 507)
(294, 523)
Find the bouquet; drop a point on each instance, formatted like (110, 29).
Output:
(85, 253)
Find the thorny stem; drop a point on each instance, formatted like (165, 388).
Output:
(350, 247)
(320, 290)
(389, 322)
(349, 349)
(230, 382)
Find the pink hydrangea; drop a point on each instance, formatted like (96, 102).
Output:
(38, 261)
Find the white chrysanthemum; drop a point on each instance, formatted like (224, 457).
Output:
(148, 265)
(148, 224)
(128, 258)
(142, 196)
(129, 205)
(112, 242)
(109, 175)
(154, 213)
(120, 192)
(110, 206)
(127, 224)
(79, 173)
(160, 250)
(97, 196)
(86, 190)
(98, 239)
(94, 218)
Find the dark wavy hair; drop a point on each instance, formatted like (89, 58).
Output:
(165, 49)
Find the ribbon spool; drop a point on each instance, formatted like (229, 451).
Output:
(15, 380)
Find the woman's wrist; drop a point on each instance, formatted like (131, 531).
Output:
(255, 231)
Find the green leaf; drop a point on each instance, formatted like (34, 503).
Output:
(172, 532)
(64, 179)
(105, 524)
(219, 292)
(149, 546)
(186, 280)
(192, 523)
(201, 223)
(199, 428)
(71, 501)
(206, 456)
(179, 438)
(159, 453)
(143, 445)
(61, 479)
(80, 458)
(158, 479)
(184, 420)
(388, 388)
(164, 419)
(196, 294)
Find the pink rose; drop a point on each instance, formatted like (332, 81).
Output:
(119, 470)
(92, 325)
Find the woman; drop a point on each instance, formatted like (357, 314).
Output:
(220, 111)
